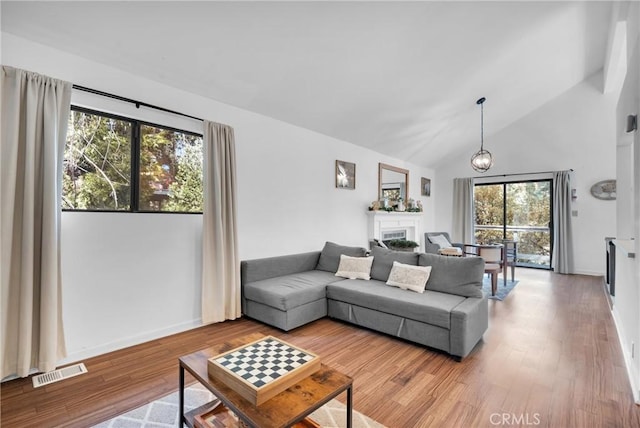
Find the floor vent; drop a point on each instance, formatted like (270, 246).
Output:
(60, 374)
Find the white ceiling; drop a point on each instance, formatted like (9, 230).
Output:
(401, 78)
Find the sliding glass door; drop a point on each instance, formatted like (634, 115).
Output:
(519, 211)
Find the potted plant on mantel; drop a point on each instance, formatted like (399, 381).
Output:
(402, 245)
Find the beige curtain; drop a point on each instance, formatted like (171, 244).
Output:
(463, 220)
(220, 261)
(35, 110)
(562, 257)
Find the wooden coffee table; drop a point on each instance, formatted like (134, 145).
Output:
(283, 410)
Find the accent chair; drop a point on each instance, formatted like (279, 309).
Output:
(432, 247)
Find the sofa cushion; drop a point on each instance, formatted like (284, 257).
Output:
(430, 307)
(355, 267)
(408, 277)
(289, 291)
(383, 261)
(455, 275)
(330, 256)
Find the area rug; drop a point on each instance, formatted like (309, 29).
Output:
(502, 290)
(163, 413)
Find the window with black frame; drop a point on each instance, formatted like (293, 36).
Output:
(114, 163)
(520, 212)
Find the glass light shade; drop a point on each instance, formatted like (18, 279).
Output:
(482, 161)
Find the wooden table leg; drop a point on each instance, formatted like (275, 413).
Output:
(504, 273)
(494, 282)
(505, 268)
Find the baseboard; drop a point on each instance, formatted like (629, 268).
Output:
(590, 273)
(130, 341)
(632, 373)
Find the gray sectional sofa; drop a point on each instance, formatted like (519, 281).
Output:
(293, 290)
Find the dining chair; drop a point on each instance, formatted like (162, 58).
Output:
(493, 254)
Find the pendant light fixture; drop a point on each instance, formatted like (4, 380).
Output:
(482, 160)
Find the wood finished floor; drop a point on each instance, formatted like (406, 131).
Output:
(551, 358)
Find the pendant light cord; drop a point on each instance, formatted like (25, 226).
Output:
(481, 102)
(481, 126)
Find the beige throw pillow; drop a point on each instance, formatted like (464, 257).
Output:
(409, 277)
(355, 267)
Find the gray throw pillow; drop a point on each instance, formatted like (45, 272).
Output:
(383, 261)
(461, 276)
(330, 256)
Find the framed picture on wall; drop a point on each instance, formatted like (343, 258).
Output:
(345, 175)
(425, 185)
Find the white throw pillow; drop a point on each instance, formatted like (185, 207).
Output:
(441, 240)
(355, 267)
(409, 277)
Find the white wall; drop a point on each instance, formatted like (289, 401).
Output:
(128, 278)
(575, 131)
(626, 309)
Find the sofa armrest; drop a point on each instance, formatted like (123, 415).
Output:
(469, 321)
(272, 267)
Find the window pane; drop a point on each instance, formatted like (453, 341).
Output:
(170, 170)
(488, 202)
(97, 163)
(529, 220)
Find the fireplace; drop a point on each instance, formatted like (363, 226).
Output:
(389, 235)
(385, 226)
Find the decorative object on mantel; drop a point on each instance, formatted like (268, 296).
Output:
(411, 207)
(425, 186)
(605, 190)
(482, 160)
(403, 245)
(345, 175)
(384, 204)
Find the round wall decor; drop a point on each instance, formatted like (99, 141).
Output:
(605, 190)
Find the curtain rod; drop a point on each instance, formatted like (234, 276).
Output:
(519, 173)
(129, 100)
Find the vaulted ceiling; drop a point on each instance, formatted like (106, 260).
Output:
(401, 78)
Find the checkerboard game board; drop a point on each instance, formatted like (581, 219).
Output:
(262, 369)
(264, 361)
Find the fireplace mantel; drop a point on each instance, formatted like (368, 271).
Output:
(381, 222)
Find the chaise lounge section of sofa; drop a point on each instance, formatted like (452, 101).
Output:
(450, 315)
